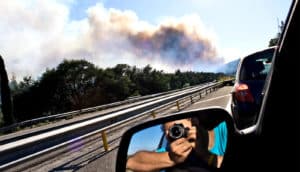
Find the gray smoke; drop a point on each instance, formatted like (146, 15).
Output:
(41, 35)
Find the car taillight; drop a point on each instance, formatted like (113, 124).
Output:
(242, 93)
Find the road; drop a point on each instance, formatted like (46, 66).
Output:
(218, 98)
(89, 155)
(107, 163)
(83, 150)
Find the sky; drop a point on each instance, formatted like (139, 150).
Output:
(147, 139)
(190, 35)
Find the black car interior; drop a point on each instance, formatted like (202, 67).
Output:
(253, 70)
(275, 145)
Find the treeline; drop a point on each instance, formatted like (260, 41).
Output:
(77, 84)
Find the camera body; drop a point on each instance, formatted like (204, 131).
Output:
(178, 131)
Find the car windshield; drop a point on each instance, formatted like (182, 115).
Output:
(78, 73)
(257, 66)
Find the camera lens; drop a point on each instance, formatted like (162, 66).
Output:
(177, 131)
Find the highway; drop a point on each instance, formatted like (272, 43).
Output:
(107, 163)
(90, 115)
(88, 154)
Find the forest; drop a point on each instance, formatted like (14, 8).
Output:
(78, 84)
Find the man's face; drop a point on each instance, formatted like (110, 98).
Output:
(185, 122)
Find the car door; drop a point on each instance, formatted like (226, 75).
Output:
(275, 141)
(280, 114)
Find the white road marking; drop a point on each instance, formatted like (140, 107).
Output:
(213, 99)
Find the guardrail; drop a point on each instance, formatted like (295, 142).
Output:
(21, 150)
(83, 111)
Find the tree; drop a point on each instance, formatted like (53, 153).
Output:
(175, 81)
(67, 87)
(275, 40)
(118, 82)
(77, 84)
(6, 102)
(26, 83)
(150, 81)
(74, 79)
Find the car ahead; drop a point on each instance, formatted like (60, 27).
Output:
(273, 141)
(247, 91)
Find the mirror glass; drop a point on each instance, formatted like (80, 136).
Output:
(182, 144)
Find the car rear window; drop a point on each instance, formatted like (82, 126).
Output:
(256, 66)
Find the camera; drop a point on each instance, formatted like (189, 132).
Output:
(178, 131)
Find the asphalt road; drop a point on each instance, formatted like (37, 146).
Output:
(220, 98)
(106, 163)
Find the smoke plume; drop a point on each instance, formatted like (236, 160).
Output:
(42, 34)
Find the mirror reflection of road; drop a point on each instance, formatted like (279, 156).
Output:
(106, 163)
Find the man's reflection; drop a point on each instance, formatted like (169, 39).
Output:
(186, 145)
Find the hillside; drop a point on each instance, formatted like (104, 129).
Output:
(229, 68)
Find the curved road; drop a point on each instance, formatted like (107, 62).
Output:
(106, 163)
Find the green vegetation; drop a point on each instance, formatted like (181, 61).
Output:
(225, 78)
(77, 84)
(275, 40)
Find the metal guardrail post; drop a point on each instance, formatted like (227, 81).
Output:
(153, 114)
(192, 101)
(200, 95)
(177, 104)
(104, 139)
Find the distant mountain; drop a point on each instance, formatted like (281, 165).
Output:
(229, 68)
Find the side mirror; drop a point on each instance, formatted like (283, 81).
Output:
(192, 140)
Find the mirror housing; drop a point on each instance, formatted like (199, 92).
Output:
(209, 117)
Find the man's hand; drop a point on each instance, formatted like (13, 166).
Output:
(192, 136)
(179, 150)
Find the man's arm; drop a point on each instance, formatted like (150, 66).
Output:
(149, 161)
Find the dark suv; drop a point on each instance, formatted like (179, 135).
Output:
(247, 91)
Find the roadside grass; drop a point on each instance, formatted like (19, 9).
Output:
(225, 78)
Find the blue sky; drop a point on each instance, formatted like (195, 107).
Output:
(190, 35)
(147, 139)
